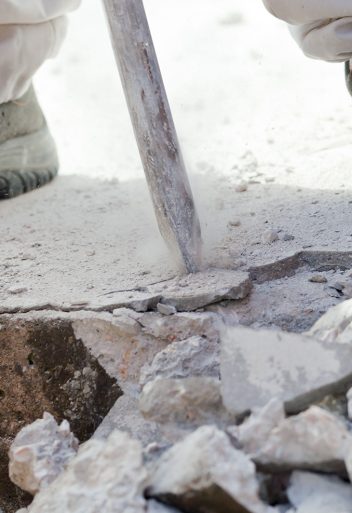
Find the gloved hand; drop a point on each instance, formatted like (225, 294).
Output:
(322, 28)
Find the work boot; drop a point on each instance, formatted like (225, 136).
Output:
(28, 157)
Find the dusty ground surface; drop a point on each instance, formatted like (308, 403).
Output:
(249, 109)
(244, 111)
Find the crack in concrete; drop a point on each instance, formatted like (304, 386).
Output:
(146, 300)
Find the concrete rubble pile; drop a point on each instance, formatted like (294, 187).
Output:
(220, 419)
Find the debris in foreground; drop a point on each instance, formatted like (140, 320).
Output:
(205, 473)
(40, 452)
(266, 430)
(257, 365)
(104, 476)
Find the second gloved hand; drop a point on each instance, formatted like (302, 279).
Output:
(322, 28)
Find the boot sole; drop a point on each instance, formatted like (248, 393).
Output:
(27, 163)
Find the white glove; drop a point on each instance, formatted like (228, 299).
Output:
(322, 28)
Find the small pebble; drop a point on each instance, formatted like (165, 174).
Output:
(270, 236)
(235, 222)
(318, 278)
(333, 292)
(338, 286)
(241, 187)
(166, 309)
(287, 237)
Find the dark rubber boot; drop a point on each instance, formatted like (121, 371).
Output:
(28, 157)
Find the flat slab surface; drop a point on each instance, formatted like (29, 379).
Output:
(93, 230)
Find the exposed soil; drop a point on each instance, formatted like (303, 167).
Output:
(44, 368)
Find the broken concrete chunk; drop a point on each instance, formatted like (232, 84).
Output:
(194, 291)
(204, 472)
(312, 440)
(186, 293)
(255, 430)
(121, 352)
(140, 300)
(40, 452)
(270, 236)
(257, 365)
(106, 476)
(313, 493)
(335, 325)
(127, 320)
(180, 326)
(196, 356)
(125, 416)
(318, 278)
(166, 309)
(193, 401)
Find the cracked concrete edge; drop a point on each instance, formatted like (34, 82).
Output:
(147, 298)
(186, 293)
(316, 260)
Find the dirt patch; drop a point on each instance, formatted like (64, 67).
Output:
(45, 368)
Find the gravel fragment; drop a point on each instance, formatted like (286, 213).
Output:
(166, 309)
(241, 186)
(318, 278)
(270, 236)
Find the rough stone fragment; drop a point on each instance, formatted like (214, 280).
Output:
(194, 291)
(180, 326)
(166, 309)
(255, 430)
(141, 300)
(125, 416)
(313, 493)
(40, 452)
(335, 325)
(270, 236)
(241, 186)
(257, 365)
(204, 472)
(127, 320)
(287, 237)
(312, 440)
(121, 348)
(196, 356)
(104, 477)
(318, 278)
(17, 289)
(235, 222)
(158, 507)
(192, 401)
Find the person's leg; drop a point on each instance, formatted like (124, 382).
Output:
(31, 31)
